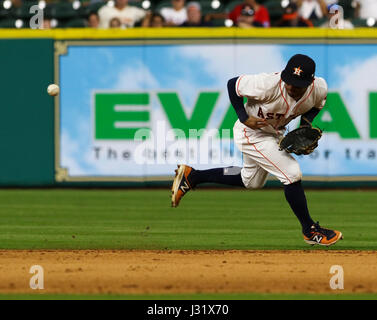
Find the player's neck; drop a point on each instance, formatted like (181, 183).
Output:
(298, 97)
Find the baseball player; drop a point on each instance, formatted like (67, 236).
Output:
(273, 100)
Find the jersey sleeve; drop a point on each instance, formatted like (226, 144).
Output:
(322, 93)
(252, 86)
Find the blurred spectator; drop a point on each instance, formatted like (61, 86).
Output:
(246, 19)
(93, 20)
(312, 9)
(260, 14)
(128, 15)
(157, 21)
(176, 15)
(115, 23)
(194, 16)
(291, 18)
(366, 9)
(335, 19)
(46, 24)
(153, 20)
(17, 3)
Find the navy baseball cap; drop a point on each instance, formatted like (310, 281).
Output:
(299, 71)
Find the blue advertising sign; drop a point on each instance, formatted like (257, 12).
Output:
(122, 107)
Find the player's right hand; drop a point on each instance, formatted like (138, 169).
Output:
(255, 123)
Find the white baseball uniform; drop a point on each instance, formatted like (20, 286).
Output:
(268, 99)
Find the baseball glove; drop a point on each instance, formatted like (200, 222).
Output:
(301, 141)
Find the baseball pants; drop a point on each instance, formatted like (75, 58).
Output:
(261, 156)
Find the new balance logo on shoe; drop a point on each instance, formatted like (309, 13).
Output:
(181, 184)
(317, 238)
(322, 236)
(185, 187)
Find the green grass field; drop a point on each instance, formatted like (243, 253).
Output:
(206, 219)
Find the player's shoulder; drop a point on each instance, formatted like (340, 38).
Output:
(270, 83)
(320, 84)
(261, 85)
(320, 88)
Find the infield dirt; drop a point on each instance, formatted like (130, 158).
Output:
(143, 272)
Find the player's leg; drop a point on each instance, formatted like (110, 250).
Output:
(253, 177)
(264, 150)
(313, 232)
(230, 176)
(188, 178)
(250, 176)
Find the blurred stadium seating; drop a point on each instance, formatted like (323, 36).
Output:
(73, 13)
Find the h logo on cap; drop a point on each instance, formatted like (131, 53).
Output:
(298, 71)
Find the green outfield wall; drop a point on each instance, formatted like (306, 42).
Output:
(35, 150)
(27, 113)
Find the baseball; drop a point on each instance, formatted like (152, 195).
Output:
(53, 90)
